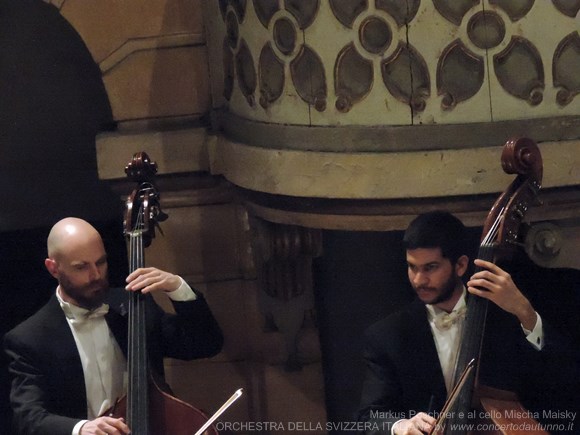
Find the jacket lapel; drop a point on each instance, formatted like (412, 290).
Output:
(118, 326)
(117, 317)
(66, 356)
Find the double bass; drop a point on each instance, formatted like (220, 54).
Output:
(147, 408)
(501, 234)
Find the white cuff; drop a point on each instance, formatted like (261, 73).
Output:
(536, 336)
(183, 293)
(393, 426)
(77, 429)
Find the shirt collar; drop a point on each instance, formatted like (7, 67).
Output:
(78, 314)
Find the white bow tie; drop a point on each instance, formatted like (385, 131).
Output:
(444, 321)
(78, 315)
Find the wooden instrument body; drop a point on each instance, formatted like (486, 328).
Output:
(501, 409)
(167, 414)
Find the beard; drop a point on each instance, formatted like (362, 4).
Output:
(446, 291)
(88, 296)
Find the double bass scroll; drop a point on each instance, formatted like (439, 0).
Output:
(148, 409)
(501, 234)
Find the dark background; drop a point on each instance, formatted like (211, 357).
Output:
(52, 104)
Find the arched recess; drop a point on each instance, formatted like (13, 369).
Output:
(52, 104)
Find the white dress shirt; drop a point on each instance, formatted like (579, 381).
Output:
(104, 365)
(447, 336)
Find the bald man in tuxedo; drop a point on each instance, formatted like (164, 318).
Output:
(68, 361)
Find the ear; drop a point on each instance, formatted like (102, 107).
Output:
(461, 265)
(51, 266)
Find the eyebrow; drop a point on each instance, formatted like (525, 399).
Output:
(81, 263)
(431, 263)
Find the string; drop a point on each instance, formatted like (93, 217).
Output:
(492, 233)
(138, 400)
(473, 328)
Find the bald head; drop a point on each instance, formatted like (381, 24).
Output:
(68, 233)
(77, 259)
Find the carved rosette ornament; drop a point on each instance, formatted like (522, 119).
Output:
(306, 67)
(521, 55)
(238, 60)
(458, 61)
(381, 39)
(284, 51)
(565, 68)
(518, 67)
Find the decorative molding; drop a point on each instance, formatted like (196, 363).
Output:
(382, 175)
(396, 214)
(175, 151)
(385, 138)
(157, 42)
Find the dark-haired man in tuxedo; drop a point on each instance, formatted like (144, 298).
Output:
(410, 356)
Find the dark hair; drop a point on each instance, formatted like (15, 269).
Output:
(437, 229)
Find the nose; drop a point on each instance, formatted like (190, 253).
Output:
(420, 279)
(95, 272)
